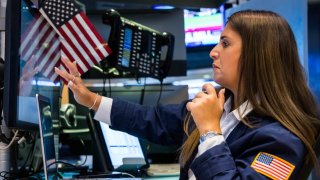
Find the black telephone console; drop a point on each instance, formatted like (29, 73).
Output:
(137, 48)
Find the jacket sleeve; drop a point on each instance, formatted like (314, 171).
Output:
(234, 161)
(160, 124)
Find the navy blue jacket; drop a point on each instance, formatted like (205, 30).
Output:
(163, 124)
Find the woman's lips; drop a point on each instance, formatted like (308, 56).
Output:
(215, 66)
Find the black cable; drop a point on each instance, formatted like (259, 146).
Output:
(145, 82)
(4, 139)
(109, 87)
(8, 175)
(143, 91)
(29, 154)
(34, 147)
(86, 157)
(31, 163)
(1, 88)
(65, 163)
(37, 176)
(36, 134)
(160, 93)
(125, 174)
(104, 79)
(104, 92)
(15, 176)
(84, 161)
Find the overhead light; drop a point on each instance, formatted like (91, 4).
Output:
(162, 7)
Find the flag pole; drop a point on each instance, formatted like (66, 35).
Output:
(64, 95)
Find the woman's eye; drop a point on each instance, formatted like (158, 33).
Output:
(224, 43)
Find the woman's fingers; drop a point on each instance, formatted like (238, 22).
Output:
(189, 104)
(201, 94)
(67, 62)
(209, 89)
(221, 97)
(207, 100)
(75, 71)
(30, 64)
(28, 75)
(72, 66)
(64, 74)
(73, 88)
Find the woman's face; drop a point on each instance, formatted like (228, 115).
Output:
(226, 57)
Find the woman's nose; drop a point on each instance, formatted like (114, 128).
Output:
(214, 54)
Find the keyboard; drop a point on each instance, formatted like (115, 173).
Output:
(163, 170)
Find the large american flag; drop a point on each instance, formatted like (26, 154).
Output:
(63, 30)
(272, 166)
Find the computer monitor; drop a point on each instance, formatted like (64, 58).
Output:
(202, 27)
(123, 151)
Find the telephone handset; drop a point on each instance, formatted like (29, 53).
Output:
(138, 48)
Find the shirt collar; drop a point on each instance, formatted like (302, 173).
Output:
(244, 109)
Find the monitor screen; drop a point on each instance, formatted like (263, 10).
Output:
(125, 150)
(23, 77)
(202, 27)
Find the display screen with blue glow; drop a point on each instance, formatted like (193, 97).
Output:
(127, 45)
(202, 27)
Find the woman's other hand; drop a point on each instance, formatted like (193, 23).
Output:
(27, 76)
(206, 109)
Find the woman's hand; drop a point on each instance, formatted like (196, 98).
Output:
(206, 109)
(28, 72)
(80, 92)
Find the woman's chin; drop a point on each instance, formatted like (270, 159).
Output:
(217, 80)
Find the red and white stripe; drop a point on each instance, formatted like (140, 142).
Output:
(41, 42)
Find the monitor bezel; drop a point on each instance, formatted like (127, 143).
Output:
(48, 172)
(11, 70)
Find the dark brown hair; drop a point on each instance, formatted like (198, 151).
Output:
(271, 78)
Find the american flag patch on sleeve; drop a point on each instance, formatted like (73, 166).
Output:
(272, 166)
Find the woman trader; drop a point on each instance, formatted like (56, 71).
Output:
(260, 126)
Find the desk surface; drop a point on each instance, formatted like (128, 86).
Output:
(163, 178)
(68, 175)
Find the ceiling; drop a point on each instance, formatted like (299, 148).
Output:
(93, 6)
(313, 1)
